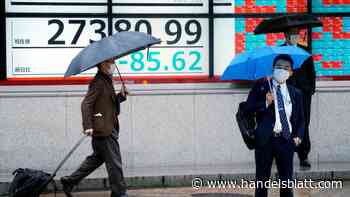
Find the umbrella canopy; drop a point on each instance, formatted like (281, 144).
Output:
(257, 63)
(117, 45)
(283, 23)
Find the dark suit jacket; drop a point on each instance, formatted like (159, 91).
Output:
(101, 106)
(265, 117)
(304, 78)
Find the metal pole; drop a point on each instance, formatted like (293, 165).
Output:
(211, 38)
(309, 29)
(3, 40)
(110, 16)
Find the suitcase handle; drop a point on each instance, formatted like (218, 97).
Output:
(68, 155)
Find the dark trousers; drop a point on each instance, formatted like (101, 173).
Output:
(283, 151)
(305, 146)
(105, 150)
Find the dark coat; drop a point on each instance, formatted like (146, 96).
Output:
(265, 117)
(101, 106)
(304, 78)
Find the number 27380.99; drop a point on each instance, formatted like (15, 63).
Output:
(172, 27)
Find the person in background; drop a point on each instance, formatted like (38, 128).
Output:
(100, 109)
(280, 125)
(305, 80)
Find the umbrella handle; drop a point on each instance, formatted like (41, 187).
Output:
(268, 81)
(147, 53)
(120, 76)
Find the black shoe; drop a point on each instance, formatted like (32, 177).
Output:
(67, 186)
(305, 164)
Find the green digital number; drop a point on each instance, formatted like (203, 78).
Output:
(151, 58)
(136, 61)
(178, 62)
(195, 66)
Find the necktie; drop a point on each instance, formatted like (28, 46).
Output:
(283, 117)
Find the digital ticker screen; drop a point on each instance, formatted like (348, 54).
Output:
(43, 36)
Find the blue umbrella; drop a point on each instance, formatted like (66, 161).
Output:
(117, 45)
(257, 63)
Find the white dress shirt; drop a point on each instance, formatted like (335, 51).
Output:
(287, 106)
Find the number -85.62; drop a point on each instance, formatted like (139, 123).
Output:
(181, 61)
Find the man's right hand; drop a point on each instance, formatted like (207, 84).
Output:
(124, 91)
(269, 98)
(88, 132)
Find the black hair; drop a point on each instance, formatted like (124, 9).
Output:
(285, 57)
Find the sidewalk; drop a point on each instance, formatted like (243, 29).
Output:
(177, 181)
(190, 192)
(181, 192)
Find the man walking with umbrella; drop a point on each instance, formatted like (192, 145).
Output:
(100, 109)
(101, 106)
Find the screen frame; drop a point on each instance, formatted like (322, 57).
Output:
(149, 79)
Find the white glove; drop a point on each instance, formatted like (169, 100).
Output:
(88, 132)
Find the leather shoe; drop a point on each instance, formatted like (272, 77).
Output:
(305, 163)
(67, 186)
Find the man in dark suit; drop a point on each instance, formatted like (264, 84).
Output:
(100, 109)
(280, 125)
(305, 80)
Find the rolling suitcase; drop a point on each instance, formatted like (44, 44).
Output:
(31, 183)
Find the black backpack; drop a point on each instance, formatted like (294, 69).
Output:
(246, 123)
(29, 182)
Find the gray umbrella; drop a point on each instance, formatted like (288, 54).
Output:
(117, 45)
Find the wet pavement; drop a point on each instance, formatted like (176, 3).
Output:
(175, 182)
(209, 192)
(178, 192)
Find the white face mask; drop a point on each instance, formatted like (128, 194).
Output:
(293, 39)
(111, 69)
(280, 75)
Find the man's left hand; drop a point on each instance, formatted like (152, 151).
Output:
(297, 141)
